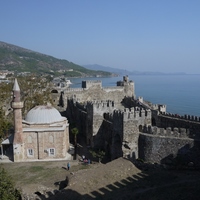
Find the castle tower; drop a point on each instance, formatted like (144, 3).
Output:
(17, 106)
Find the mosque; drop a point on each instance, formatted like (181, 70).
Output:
(42, 135)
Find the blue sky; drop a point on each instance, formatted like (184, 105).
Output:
(142, 35)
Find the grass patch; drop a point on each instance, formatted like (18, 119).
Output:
(45, 173)
(79, 167)
(34, 169)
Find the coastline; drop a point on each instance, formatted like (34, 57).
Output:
(181, 93)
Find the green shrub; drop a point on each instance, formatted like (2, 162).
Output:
(7, 189)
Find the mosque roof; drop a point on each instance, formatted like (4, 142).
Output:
(43, 114)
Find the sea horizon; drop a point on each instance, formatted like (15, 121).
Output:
(180, 93)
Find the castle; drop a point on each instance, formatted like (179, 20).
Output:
(114, 120)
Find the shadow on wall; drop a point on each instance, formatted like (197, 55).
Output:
(187, 157)
(108, 140)
(170, 151)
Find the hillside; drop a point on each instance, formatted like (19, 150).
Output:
(108, 69)
(18, 59)
(129, 72)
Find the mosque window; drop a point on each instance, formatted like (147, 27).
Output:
(52, 151)
(30, 152)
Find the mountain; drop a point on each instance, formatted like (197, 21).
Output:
(18, 59)
(126, 72)
(108, 69)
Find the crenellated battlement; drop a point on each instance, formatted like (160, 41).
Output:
(118, 114)
(91, 83)
(140, 99)
(93, 90)
(102, 106)
(108, 117)
(117, 88)
(136, 113)
(73, 90)
(182, 117)
(125, 81)
(168, 132)
(81, 106)
(160, 107)
(129, 114)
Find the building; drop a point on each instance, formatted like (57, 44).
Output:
(42, 135)
(114, 120)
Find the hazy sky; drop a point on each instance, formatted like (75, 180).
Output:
(143, 35)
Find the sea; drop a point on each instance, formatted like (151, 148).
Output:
(180, 93)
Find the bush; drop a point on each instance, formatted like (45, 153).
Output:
(97, 153)
(7, 189)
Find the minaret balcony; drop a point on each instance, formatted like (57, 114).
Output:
(17, 105)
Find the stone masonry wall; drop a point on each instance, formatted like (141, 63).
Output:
(92, 90)
(191, 123)
(40, 142)
(166, 150)
(130, 139)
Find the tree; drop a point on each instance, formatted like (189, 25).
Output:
(34, 91)
(5, 125)
(75, 133)
(5, 94)
(98, 154)
(7, 189)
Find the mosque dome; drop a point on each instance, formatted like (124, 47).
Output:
(43, 114)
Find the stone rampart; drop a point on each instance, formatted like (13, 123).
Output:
(103, 106)
(92, 90)
(129, 114)
(183, 117)
(160, 107)
(81, 106)
(110, 89)
(168, 150)
(136, 113)
(89, 84)
(114, 119)
(108, 117)
(74, 90)
(97, 94)
(168, 132)
(174, 120)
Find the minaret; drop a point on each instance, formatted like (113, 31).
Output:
(17, 106)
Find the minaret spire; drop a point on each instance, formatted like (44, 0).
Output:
(17, 106)
(16, 86)
(16, 92)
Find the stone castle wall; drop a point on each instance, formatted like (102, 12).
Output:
(118, 132)
(169, 150)
(106, 127)
(168, 132)
(192, 123)
(133, 129)
(89, 84)
(93, 90)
